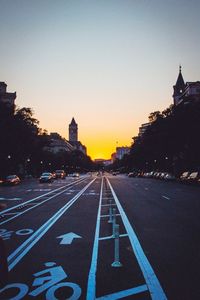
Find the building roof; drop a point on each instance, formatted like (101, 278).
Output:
(73, 122)
(180, 81)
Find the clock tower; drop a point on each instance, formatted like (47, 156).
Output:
(73, 131)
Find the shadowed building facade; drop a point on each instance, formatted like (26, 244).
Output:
(185, 92)
(6, 98)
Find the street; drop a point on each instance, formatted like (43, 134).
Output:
(62, 239)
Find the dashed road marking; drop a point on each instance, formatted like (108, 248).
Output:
(39, 190)
(166, 197)
(10, 199)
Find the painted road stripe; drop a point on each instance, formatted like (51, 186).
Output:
(38, 197)
(125, 293)
(152, 282)
(25, 204)
(24, 248)
(112, 237)
(91, 288)
(30, 202)
(166, 197)
(112, 204)
(108, 216)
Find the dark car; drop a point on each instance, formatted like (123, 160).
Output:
(60, 174)
(12, 180)
(132, 174)
(46, 177)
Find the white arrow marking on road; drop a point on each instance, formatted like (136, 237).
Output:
(68, 238)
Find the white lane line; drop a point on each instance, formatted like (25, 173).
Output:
(112, 237)
(32, 206)
(108, 216)
(152, 282)
(91, 287)
(166, 197)
(125, 293)
(30, 203)
(24, 248)
(38, 197)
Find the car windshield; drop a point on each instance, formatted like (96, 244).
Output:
(46, 174)
(11, 177)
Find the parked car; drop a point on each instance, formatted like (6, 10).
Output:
(132, 174)
(169, 176)
(184, 176)
(46, 177)
(60, 174)
(193, 177)
(114, 173)
(12, 180)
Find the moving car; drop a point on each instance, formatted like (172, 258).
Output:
(60, 174)
(12, 180)
(46, 177)
(75, 175)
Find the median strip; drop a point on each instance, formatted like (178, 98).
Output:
(151, 279)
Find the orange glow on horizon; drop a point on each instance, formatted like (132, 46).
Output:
(102, 148)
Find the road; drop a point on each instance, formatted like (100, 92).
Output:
(60, 239)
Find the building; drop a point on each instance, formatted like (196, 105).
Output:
(143, 128)
(5, 97)
(73, 137)
(73, 131)
(185, 92)
(58, 144)
(121, 151)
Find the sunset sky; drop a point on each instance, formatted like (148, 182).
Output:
(107, 63)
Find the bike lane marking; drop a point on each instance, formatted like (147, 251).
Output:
(151, 279)
(49, 280)
(92, 277)
(24, 248)
(91, 288)
(73, 258)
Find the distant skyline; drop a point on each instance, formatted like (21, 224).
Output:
(107, 63)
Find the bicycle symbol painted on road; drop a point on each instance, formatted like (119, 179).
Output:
(49, 283)
(6, 234)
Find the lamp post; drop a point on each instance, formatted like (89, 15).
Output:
(27, 166)
(9, 163)
(166, 163)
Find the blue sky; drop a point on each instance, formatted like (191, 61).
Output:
(107, 63)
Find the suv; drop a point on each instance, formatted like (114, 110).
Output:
(60, 174)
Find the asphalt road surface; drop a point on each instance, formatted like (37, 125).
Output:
(101, 237)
